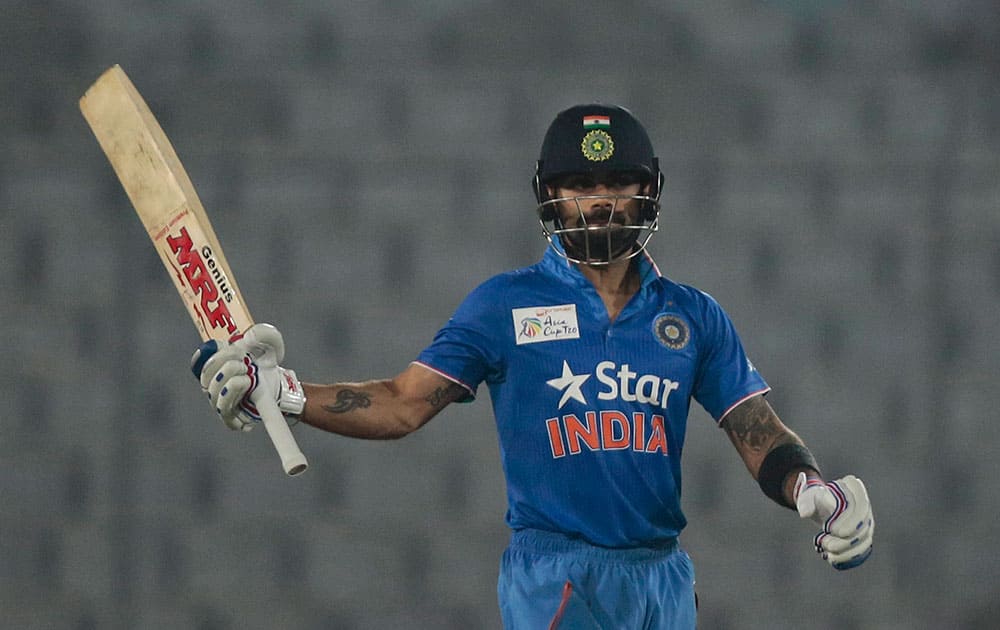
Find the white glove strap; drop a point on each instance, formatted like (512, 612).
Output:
(291, 398)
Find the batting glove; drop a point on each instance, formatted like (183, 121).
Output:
(842, 508)
(231, 371)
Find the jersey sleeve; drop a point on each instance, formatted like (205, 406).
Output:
(725, 376)
(467, 349)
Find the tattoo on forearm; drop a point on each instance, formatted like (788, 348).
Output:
(442, 396)
(754, 424)
(348, 400)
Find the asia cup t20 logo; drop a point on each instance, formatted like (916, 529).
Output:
(531, 327)
(535, 324)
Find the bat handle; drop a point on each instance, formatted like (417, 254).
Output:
(292, 459)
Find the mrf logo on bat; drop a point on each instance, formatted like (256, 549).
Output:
(200, 271)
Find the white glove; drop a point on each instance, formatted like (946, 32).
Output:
(842, 508)
(231, 372)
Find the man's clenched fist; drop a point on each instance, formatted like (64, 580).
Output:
(843, 510)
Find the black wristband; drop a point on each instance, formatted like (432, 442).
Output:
(778, 462)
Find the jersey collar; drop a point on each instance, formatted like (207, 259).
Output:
(554, 263)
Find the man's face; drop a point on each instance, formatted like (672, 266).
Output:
(597, 209)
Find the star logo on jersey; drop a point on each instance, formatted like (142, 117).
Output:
(569, 384)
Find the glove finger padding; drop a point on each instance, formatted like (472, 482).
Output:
(224, 353)
(844, 553)
(228, 377)
(837, 545)
(229, 386)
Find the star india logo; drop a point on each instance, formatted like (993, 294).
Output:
(569, 384)
(610, 427)
(615, 382)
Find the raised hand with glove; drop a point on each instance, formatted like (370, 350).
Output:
(234, 374)
(843, 510)
(789, 475)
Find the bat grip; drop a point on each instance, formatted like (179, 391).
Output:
(292, 459)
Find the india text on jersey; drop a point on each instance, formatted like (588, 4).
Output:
(606, 431)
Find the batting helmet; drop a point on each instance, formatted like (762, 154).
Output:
(597, 139)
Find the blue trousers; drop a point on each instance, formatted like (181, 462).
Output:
(550, 581)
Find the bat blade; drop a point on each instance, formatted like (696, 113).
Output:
(165, 200)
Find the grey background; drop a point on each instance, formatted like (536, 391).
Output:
(831, 175)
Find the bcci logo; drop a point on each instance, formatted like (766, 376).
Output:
(671, 331)
(597, 145)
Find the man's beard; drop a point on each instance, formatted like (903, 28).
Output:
(606, 244)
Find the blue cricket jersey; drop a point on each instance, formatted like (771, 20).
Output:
(591, 414)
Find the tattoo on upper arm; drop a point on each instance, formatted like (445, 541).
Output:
(753, 424)
(445, 394)
(348, 400)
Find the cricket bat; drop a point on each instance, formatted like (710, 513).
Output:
(178, 225)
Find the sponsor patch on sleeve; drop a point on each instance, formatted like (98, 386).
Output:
(535, 324)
